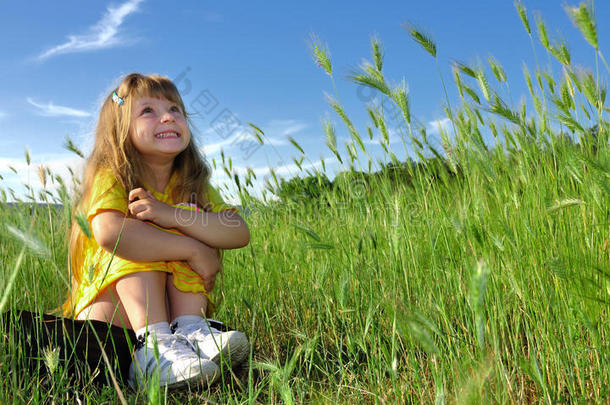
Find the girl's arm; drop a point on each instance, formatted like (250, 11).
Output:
(223, 230)
(139, 241)
(143, 242)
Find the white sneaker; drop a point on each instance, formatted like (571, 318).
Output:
(216, 345)
(176, 362)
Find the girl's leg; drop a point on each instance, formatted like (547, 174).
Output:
(184, 303)
(143, 297)
(188, 319)
(108, 308)
(125, 302)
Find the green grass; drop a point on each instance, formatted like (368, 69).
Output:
(485, 278)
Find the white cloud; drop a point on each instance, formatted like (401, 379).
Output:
(275, 141)
(52, 110)
(394, 136)
(436, 125)
(286, 127)
(102, 35)
(224, 182)
(57, 163)
(213, 148)
(280, 129)
(277, 131)
(284, 170)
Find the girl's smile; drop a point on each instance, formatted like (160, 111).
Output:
(158, 128)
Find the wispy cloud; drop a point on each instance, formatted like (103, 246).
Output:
(57, 163)
(276, 133)
(285, 127)
(275, 141)
(52, 110)
(103, 34)
(436, 125)
(222, 181)
(213, 148)
(394, 136)
(285, 170)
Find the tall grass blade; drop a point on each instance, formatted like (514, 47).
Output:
(11, 280)
(478, 288)
(30, 241)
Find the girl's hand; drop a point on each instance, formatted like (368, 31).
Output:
(204, 261)
(144, 206)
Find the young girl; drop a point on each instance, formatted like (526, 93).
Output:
(157, 227)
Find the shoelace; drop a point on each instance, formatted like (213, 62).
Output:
(141, 341)
(180, 339)
(213, 325)
(167, 342)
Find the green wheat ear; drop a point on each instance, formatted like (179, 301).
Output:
(377, 52)
(331, 137)
(467, 70)
(400, 95)
(83, 224)
(583, 19)
(296, 144)
(370, 76)
(497, 69)
(423, 39)
(543, 36)
(51, 358)
(258, 133)
(321, 54)
(71, 147)
(523, 15)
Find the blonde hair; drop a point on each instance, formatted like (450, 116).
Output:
(114, 151)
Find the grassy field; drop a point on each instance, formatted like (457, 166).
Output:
(475, 273)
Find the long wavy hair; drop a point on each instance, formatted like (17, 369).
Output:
(114, 151)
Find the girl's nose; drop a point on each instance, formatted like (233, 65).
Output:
(167, 116)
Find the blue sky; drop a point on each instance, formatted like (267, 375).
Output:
(248, 61)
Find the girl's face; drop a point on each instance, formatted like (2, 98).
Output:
(158, 128)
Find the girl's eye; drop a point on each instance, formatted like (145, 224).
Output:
(176, 108)
(146, 110)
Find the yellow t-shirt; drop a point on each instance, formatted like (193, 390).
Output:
(100, 269)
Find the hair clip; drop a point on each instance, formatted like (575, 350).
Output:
(117, 99)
